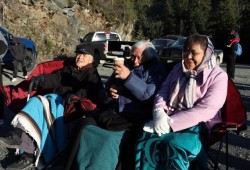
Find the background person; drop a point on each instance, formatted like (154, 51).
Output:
(3, 50)
(234, 38)
(186, 108)
(18, 51)
(231, 55)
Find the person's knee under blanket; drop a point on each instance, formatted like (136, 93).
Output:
(98, 149)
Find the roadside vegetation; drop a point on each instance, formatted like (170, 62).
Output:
(157, 18)
(54, 29)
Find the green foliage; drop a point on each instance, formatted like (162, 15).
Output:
(156, 18)
(224, 17)
(117, 11)
(170, 20)
(139, 35)
(244, 20)
(49, 45)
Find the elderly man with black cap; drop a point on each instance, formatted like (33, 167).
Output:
(79, 79)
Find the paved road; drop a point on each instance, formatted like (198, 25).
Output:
(8, 75)
(239, 145)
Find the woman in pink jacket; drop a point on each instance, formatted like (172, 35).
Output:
(186, 107)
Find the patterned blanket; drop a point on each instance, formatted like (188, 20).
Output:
(42, 119)
(170, 151)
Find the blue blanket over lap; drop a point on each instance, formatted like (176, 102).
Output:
(49, 145)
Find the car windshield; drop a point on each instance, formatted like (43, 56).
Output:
(162, 42)
(179, 42)
(106, 36)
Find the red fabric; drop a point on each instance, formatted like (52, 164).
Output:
(234, 111)
(236, 40)
(234, 115)
(77, 107)
(16, 96)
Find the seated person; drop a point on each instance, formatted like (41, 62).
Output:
(80, 79)
(131, 94)
(186, 108)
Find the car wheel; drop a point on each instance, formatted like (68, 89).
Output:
(96, 58)
(29, 60)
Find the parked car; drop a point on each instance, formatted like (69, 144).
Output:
(174, 52)
(172, 37)
(97, 44)
(162, 43)
(31, 53)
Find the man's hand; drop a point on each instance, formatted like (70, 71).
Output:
(113, 92)
(121, 71)
(38, 80)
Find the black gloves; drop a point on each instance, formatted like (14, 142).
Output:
(37, 81)
(68, 98)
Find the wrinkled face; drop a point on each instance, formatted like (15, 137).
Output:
(136, 56)
(193, 57)
(83, 60)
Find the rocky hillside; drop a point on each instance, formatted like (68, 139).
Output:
(55, 25)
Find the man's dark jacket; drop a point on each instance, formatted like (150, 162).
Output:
(85, 83)
(18, 49)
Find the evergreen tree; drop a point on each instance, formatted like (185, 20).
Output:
(225, 17)
(244, 22)
(244, 27)
(198, 16)
(181, 12)
(169, 18)
(139, 35)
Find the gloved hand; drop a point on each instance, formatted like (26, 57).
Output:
(161, 121)
(38, 80)
(70, 97)
(149, 127)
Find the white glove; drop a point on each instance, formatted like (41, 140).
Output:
(149, 127)
(161, 121)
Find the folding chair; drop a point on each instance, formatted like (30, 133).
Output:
(234, 119)
(16, 95)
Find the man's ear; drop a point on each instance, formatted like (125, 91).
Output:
(92, 59)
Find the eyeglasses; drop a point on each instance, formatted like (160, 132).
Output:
(187, 53)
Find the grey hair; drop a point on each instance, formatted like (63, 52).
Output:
(149, 52)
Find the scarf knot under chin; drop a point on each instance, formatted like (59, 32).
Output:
(183, 92)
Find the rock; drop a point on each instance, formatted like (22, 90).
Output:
(61, 3)
(62, 22)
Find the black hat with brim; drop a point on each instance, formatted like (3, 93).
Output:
(81, 51)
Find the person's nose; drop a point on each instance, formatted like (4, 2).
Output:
(135, 60)
(189, 56)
